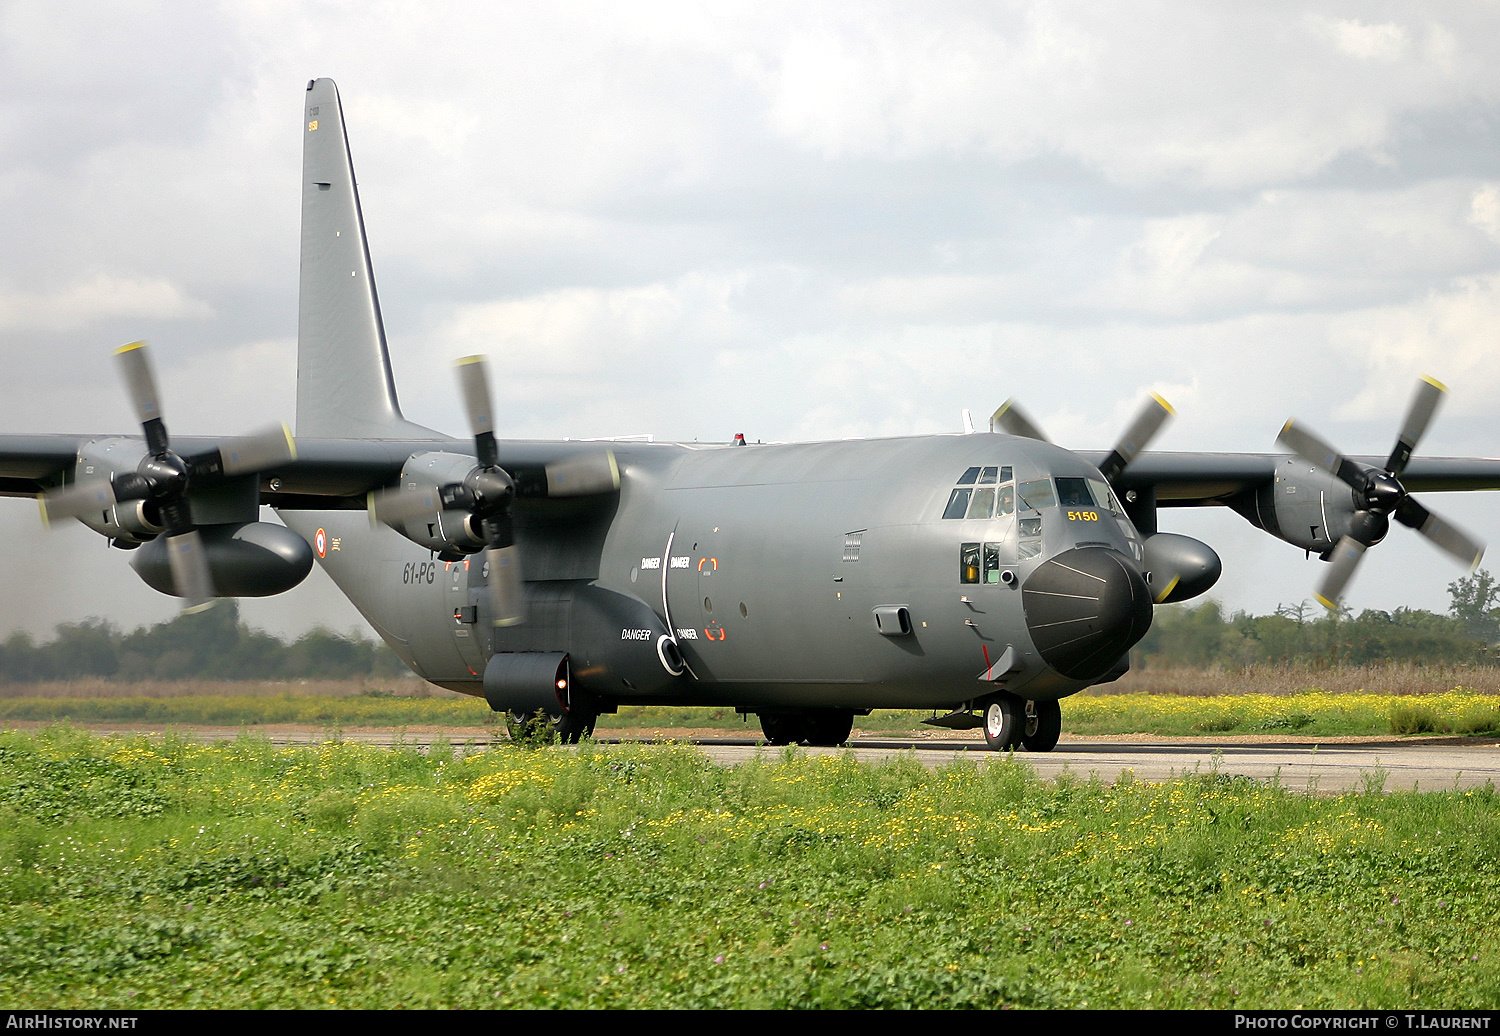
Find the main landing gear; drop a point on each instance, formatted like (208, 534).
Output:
(566, 727)
(824, 728)
(1011, 722)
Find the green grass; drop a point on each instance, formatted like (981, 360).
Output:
(1307, 713)
(139, 873)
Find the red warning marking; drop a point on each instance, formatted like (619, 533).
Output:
(320, 543)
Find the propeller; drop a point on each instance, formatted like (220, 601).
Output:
(1381, 495)
(487, 492)
(1154, 413)
(164, 478)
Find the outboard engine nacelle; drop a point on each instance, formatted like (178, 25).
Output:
(249, 559)
(1308, 508)
(1179, 568)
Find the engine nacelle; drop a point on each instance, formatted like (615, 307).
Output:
(249, 559)
(451, 533)
(129, 524)
(1307, 507)
(1179, 568)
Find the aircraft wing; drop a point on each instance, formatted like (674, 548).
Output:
(327, 474)
(1201, 479)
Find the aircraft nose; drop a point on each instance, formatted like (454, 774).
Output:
(1085, 608)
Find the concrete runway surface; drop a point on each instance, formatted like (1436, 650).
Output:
(1432, 764)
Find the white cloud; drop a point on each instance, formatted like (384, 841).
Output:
(1484, 210)
(98, 298)
(1384, 42)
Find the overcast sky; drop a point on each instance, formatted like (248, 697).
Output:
(796, 221)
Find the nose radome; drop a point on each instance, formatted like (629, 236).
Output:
(1085, 608)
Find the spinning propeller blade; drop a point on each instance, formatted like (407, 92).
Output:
(164, 478)
(1013, 420)
(1153, 414)
(1380, 493)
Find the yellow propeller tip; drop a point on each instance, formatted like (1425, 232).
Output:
(291, 441)
(462, 360)
(1325, 602)
(41, 505)
(1435, 383)
(128, 348)
(1164, 404)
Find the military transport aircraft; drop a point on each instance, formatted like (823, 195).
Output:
(988, 575)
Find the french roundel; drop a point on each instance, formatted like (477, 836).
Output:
(320, 543)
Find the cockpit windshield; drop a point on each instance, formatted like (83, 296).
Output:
(1086, 492)
(1034, 496)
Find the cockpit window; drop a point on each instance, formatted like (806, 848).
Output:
(1034, 496)
(958, 503)
(982, 505)
(1074, 492)
(1005, 501)
(1103, 496)
(977, 502)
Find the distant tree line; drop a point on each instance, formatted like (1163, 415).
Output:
(1308, 634)
(209, 645)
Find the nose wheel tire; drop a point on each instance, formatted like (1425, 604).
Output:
(567, 727)
(1003, 721)
(1041, 725)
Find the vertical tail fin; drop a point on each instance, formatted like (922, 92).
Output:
(344, 383)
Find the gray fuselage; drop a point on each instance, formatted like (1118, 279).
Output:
(770, 560)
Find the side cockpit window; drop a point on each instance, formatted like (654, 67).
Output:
(958, 503)
(982, 492)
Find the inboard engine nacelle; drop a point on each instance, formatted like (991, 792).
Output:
(453, 534)
(128, 524)
(1308, 508)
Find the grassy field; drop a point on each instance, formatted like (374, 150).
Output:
(1309, 714)
(139, 873)
(1401, 699)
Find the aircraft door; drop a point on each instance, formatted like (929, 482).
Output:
(462, 593)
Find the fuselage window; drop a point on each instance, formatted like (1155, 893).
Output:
(958, 503)
(968, 562)
(1005, 501)
(1034, 496)
(982, 505)
(992, 562)
(969, 477)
